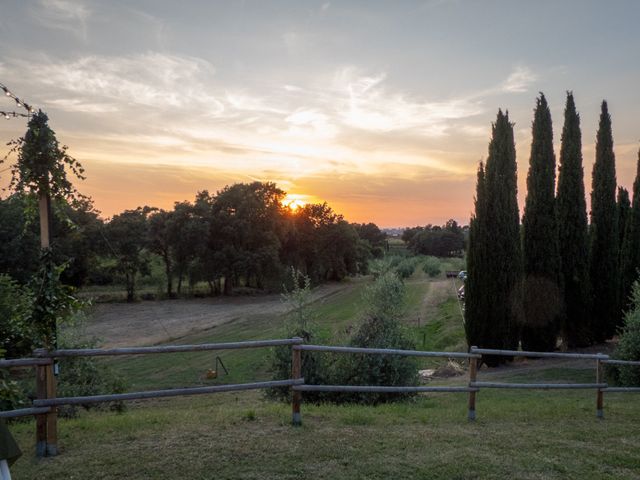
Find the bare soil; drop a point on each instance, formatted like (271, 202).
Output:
(153, 322)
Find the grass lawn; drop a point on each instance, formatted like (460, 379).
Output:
(525, 435)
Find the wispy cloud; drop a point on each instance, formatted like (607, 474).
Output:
(519, 80)
(151, 79)
(67, 15)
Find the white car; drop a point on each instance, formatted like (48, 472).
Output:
(462, 275)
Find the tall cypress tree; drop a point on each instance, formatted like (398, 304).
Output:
(571, 210)
(541, 288)
(623, 206)
(630, 257)
(494, 319)
(604, 269)
(476, 306)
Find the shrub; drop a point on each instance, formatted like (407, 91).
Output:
(431, 266)
(629, 345)
(381, 329)
(299, 324)
(406, 268)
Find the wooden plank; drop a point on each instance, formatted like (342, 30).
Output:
(116, 397)
(519, 353)
(24, 412)
(380, 389)
(384, 351)
(93, 352)
(24, 362)
(541, 386)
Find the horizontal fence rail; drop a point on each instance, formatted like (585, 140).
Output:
(520, 353)
(95, 352)
(25, 362)
(174, 392)
(539, 386)
(384, 351)
(45, 406)
(380, 389)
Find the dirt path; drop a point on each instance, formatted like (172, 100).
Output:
(148, 323)
(439, 292)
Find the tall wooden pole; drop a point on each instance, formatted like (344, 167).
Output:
(473, 373)
(296, 397)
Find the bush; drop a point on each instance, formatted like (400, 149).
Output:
(299, 324)
(406, 268)
(629, 345)
(431, 266)
(381, 329)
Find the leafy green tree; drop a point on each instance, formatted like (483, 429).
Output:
(160, 243)
(374, 238)
(19, 244)
(573, 236)
(630, 257)
(541, 289)
(128, 241)
(500, 283)
(604, 268)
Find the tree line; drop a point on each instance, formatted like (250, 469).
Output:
(241, 236)
(447, 240)
(554, 275)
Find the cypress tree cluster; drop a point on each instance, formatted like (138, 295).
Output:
(630, 257)
(603, 259)
(571, 210)
(541, 287)
(561, 277)
(494, 296)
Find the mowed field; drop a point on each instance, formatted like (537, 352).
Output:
(518, 434)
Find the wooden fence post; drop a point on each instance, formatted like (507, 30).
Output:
(296, 397)
(41, 420)
(600, 393)
(473, 373)
(52, 416)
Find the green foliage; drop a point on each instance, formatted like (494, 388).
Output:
(629, 344)
(43, 164)
(440, 241)
(385, 301)
(53, 302)
(630, 255)
(541, 251)
(127, 239)
(406, 267)
(299, 324)
(495, 266)
(431, 266)
(16, 329)
(604, 251)
(571, 211)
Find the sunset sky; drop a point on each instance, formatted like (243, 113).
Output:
(382, 109)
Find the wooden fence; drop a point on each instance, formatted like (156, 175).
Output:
(45, 406)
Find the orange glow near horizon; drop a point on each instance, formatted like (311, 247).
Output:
(294, 201)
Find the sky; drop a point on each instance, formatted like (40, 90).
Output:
(382, 109)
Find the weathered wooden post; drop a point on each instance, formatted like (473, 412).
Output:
(41, 420)
(600, 393)
(473, 373)
(52, 416)
(296, 397)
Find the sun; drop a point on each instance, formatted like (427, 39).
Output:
(294, 201)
